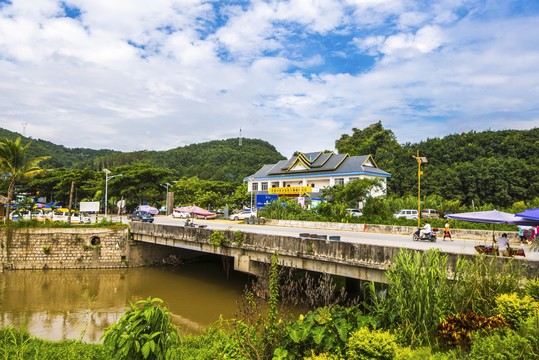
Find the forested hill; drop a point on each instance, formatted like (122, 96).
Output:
(223, 160)
(489, 167)
(61, 156)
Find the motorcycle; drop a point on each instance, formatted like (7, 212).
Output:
(430, 237)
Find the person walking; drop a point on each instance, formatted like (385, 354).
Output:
(447, 232)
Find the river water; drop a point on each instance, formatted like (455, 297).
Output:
(64, 304)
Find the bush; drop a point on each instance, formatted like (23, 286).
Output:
(501, 345)
(532, 289)
(530, 330)
(480, 281)
(213, 343)
(323, 356)
(418, 293)
(515, 309)
(456, 330)
(18, 344)
(324, 330)
(366, 344)
(145, 331)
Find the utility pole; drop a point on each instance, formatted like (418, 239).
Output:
(70, 201)
(420, 160)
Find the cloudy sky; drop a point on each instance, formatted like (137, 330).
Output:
(158, 74)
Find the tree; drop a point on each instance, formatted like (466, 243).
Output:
(374, 140)
(354, 192)
(12, 164)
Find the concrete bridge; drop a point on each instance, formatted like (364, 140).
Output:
(252, 251)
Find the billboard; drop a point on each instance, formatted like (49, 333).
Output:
(89, 206)
(263, 199)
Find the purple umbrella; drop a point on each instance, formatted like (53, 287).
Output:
(493, 217)
(530, 214)
(149, 209)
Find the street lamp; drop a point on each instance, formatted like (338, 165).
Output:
(107, 178)
(420, 160)
(166, 200)
(251, 179)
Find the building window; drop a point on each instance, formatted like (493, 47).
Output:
(353, 179)
(254, 186)
(264, 186)
(339, 181)
(312, 185)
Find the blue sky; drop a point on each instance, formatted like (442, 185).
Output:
(138, 74)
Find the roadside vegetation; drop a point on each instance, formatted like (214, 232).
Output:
(474, 310)
(380, 210)
(23, 224)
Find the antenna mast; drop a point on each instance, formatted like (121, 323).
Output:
(240, 138)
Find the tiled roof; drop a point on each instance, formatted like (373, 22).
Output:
(320, 164)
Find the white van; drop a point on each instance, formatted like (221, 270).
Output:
(408, 214)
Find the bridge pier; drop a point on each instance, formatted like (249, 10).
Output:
(244, 264)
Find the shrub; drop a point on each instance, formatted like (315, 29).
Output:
(324, 330)
(323, 356)
(501, 345)
(239, 236)
(145, 331)
(479, 281)
(218, 238)
(213, 343)
(456, 330)
(532, 289)
(366, 344)
(419, 293)
(515, 309)
(530, 330)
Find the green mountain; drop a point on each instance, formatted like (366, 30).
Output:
(220, 160)
(489, 167)
(61, 157)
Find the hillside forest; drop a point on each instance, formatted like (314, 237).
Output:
(490, 169)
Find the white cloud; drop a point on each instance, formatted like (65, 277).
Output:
(135, 75)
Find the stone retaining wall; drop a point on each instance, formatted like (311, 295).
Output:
(76, 248)
(392, 229)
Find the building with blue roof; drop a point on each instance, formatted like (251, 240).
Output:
(309, 173)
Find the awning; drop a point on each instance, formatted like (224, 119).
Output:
(530, 214)
(493, 217)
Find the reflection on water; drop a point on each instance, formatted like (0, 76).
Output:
(54, 303)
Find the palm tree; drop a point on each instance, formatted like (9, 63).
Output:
(13, 165)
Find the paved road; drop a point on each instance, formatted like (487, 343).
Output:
(457, 246)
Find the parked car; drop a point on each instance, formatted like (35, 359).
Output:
(76, 218)
(408, 214)
(245, 214)
(355, 212)
(430, 214)
(177, 213)
(139, 215)
(38, 215)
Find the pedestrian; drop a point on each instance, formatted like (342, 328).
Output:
(534, 234)
(503, 245)
(522, 234)
(447, 232)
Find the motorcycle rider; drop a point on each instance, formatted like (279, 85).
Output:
(425, 230)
